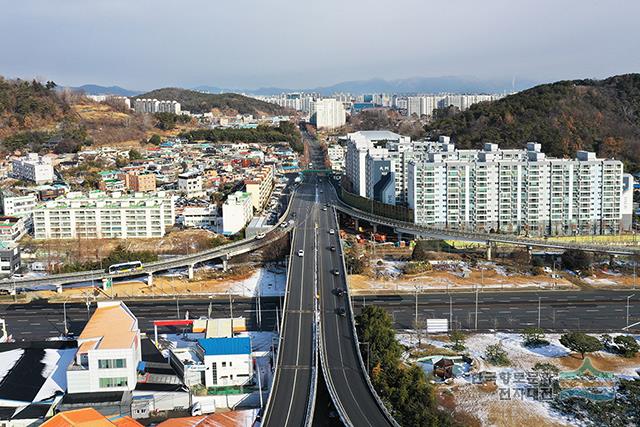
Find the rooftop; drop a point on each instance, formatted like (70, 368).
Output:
(224, 346)
(112, 326)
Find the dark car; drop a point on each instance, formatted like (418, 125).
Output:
(339, 292)
(341, 311)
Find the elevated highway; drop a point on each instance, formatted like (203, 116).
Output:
(482, 238)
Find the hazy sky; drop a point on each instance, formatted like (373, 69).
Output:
(142, 44)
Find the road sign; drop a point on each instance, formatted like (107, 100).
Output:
(437, 325)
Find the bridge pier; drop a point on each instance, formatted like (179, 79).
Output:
(356, 225)
(190, 271)
(488, 251)
(225, 264)
(150, 279)
(375, 228)
(529, 252)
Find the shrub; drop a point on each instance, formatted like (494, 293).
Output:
(496, 355)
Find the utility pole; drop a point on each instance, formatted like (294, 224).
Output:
(231, 310)
(476, 323)
(450, 311)
(64, 315)
(628, 300)
(416, 319)
(259, 310)
(177, 308)
(539, 305)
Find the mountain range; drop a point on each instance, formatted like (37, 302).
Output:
(450, 84)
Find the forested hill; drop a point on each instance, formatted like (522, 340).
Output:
(29, 104)
(597, 115)
(198, 102)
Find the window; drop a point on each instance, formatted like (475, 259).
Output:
(112, 363)
(224, 364)
(113, 382)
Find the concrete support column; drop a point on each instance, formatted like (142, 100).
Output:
(529, 252)
(488, 251)
(225, 264)
(58, 289)
(150, 279)
(190, 271)
(399, 235)
(375, 228)
(356, 224)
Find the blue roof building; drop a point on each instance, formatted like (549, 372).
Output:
(225, 346)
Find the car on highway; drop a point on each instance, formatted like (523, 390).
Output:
(300, 252)
(284, 224)
(341, 311)
(324, 208)
(332, 248)
(339, 292)
(332, 231)
(260, 236)
(335, 272)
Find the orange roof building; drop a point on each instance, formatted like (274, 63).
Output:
(88, 417)
(108, 351)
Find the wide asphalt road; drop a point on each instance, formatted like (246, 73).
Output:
(344, 372)
(291, 391)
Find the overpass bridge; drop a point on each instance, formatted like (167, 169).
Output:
(420, 231)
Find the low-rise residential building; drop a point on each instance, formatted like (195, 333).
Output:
(101, 215)
(9, 258)
(336, 154)
(18, 205)
(12, 228)
(109, 351)
(237, 212)
(190, 183)
(33, 168)
(143, 182)
(200, 217)
(229, 360)
(259, 186)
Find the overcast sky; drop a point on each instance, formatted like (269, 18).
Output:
(144, 44)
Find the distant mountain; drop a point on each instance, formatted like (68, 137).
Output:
(106, 90)
(198, 102)
(450, 84)
(566, 116)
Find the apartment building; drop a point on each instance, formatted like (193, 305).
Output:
(190, 183)
(12, 228)
(336, 153)
(328, 113)
(424, 105)
(237, 212)
(9, 258)
(200, 217)
(33, 168)
(154, 106)
(101, 215)
(517, 191)
(109, 351)
(259, 186)
(17, 205)
(140, 182)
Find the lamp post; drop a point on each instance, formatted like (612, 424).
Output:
(539, 306)
(64, 315)
(628, 303)
(368, 355)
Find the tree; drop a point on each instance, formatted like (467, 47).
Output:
(533, 337)
(575, 259)
(155, 139)
(458, 338)
(134, 154)
(627, 345)
(497, 355)
(421, 251)
(376, 327)
(546, 368)
(581, 343)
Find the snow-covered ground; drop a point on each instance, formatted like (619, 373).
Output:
(507, 403)
(265, 281)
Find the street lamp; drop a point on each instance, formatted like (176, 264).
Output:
(628, 302)
(64, 315)
(368, 355)
(539, 306)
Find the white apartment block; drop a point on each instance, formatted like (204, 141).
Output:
(237, 212)
(151, 106)
(108, 351)
(423, 105)
(200, 217)
(99, 215)
(18, 205)
(190, 184)
(34, 168)
(328, 113)
(336, 153)
(259, 186)
(517, 191)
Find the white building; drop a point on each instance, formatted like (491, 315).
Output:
(108, 351)
(328, 113)
(237, 212)
(336, 153)
(34, 168)
(228, 361)
(151, 106)
(9, 258)
(517, 191)
(17, 205)
(200, 217)
(190, 184)
(259, 185)
(100, 215)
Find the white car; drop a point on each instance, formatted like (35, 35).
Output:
(260, 236)
(332, 231)
(300, 252)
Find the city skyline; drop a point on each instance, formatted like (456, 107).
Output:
(75, 43)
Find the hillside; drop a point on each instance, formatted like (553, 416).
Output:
(597, 115)
(198, 102)
(26, 105)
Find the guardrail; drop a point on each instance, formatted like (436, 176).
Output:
(314, 369)
(480, 237)
(356, 342)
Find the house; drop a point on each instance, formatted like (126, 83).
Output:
(88, 417)
(109, 351)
